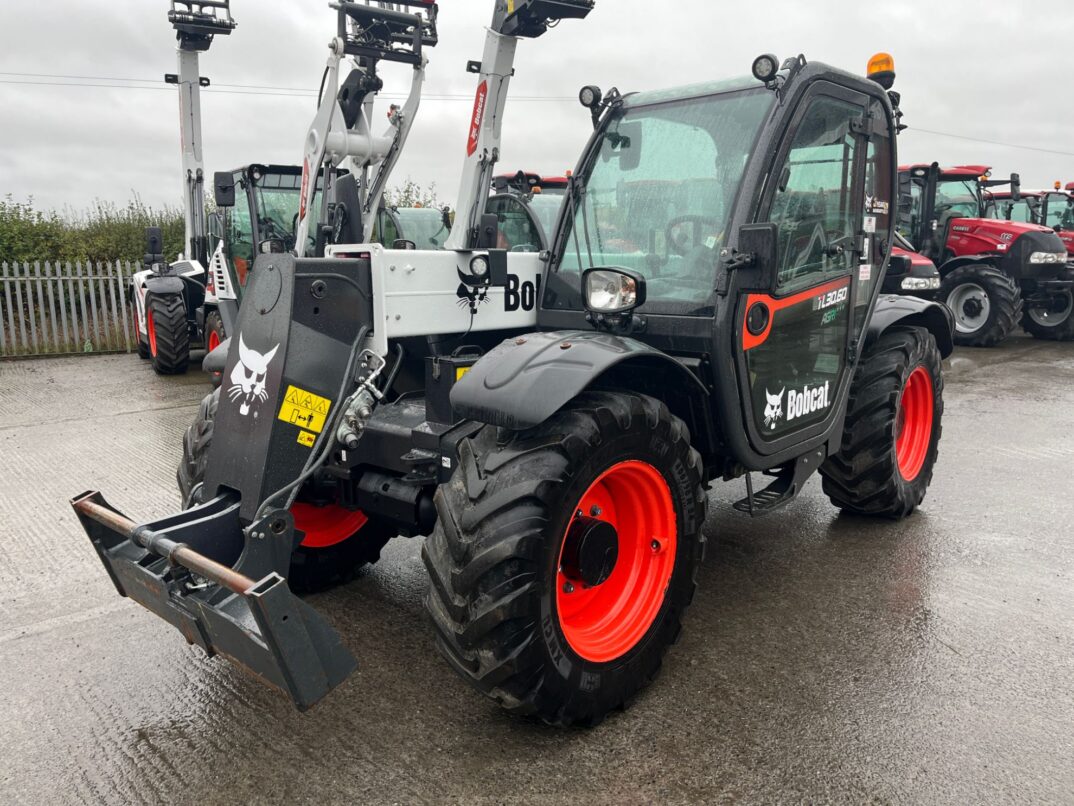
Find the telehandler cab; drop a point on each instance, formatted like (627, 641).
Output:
(551, 421)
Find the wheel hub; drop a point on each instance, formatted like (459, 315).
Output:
(590, 551)
(972, 307)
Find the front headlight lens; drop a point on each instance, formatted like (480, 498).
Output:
(1048, 257)
(920, 283)
(610, 291)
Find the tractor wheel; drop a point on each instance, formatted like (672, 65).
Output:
(338, 541)
(565, 555)
(1055, 323)
(140, 338)
(214, 331)
(168, 332)
(892, 432)
(986, 302)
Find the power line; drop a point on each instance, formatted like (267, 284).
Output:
(302, 92)
(70, 81)
(993, 142)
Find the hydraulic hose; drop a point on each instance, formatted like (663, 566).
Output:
(322, 450)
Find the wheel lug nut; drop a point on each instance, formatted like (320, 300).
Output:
(568, 587)
(655, 544)
(595, 511)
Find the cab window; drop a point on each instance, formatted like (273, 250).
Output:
(813, 206)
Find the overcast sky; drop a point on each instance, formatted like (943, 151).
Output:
(994, 71)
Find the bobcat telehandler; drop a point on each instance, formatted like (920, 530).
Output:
(551, 421)
(169, 299)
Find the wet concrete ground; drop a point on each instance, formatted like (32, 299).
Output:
(825, 657)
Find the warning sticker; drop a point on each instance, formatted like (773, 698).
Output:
(460, 371)
(306, 438)
(304, 409)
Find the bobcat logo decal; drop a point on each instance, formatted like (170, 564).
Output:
(774, 410)
(248, 377)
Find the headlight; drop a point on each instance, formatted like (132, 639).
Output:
(611, 291)
(920, 283)
(479, 267)
(1048, 257)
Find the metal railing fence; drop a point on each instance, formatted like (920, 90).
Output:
(54, 308)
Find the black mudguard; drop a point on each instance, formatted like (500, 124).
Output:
(164, 285)
(898, 309)
(215, 362)
(525, 380)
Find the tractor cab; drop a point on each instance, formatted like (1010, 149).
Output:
(526, 206)
(1049, 208)
(996, 273)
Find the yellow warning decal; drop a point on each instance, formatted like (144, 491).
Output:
(460, 371)
(304, 409)
(306, 438)
(510, 6)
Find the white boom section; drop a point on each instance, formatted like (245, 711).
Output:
(330, 142)
(417, 293)
(193, 163)
(483, 140)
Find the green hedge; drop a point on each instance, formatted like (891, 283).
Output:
(103, 232)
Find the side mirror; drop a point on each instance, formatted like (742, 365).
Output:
(612, 292)
(224, 189)
(757, 244)
(154, 247)
(899, 268)
(1016, 187)
(272, 246)
(627, 144)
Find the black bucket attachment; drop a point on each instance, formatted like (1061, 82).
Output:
(255, 622)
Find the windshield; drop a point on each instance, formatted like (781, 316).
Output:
(546, 207)
(958, 196)
(658, 197)
(1059, 210)
(277, 210)
(422, 225)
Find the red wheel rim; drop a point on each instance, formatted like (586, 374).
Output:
(604, 622)
(214, 340)
(913, 431)
(328, 525)
(151, 331)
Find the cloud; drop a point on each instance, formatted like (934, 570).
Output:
(966, 68)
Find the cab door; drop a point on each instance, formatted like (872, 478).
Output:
(794, 337)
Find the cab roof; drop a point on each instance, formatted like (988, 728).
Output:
(953, 172)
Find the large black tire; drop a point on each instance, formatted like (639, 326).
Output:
(140, 338)
(312, 569)
(1052, 325)
(866, 477)
(987, 304)
(214, 330)
(494, 556)
(169, 333)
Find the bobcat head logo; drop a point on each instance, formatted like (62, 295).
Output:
(248, 377)
(774, 410)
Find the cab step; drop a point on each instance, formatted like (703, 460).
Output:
(788, 482)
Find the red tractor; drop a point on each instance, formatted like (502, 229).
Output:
(1050, 208)
(996, 273)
